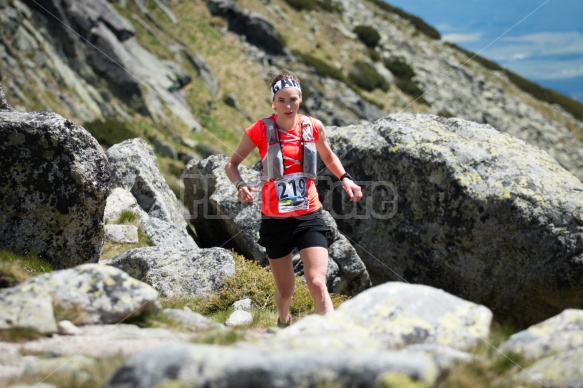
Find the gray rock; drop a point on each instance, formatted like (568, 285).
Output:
(178, 272)
(401, 314)
(221, 220)
(559, 370)
(67, 327)
(23, 307)
(191, 321)
(121, 234)
(3, 102)
(239, 318)
(228, 367)
(243, 304)
(54, 186)
(118, 201)
(556, 335)
(257, 29)
(87, 294)
(103, 341)
(450, 203)
(164, 234)
(135, 169)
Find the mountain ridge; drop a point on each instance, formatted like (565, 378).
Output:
(201, 77)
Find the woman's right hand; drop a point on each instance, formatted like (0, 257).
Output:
(245, 193)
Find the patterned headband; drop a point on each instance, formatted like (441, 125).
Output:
(284, 83)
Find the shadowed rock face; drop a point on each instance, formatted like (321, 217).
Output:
(54, 178)
(463, 207)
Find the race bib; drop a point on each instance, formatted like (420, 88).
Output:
(292, 192)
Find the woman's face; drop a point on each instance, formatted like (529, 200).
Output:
(286, 102)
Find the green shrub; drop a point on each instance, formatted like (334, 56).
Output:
(553, 97)
(328, 6)
(445, 113)
(322, 68)
(419, 24)
(488, 64)
(373, 55)
(410, 88)
(368, 35)
(537, 91)
(399, 68)
(308, 5)
(110, 132)
(405, 74)
(366, 77)
(302, 5)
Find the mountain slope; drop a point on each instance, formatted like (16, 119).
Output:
(188, 76)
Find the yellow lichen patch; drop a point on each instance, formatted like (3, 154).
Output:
(109, 281)
(451, 324)
(401, 380)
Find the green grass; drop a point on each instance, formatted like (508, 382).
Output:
(111, 250)
(15, 269)
(19, 335)
(127, 217)
(419, 24)
(491, 368)
(250, 281)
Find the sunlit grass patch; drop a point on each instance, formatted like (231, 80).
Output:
(256, 283)
(20, 334)
(15, 269)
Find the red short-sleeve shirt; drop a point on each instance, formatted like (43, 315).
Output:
(292, 149)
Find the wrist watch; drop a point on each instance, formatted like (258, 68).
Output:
(346, 175)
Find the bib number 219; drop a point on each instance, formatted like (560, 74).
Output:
(292, 193)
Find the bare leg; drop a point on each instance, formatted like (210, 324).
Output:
(315, 260)
(283, 275)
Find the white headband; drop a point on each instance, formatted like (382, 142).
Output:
(284, 83)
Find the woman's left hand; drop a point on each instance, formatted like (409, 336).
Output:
(352, 189)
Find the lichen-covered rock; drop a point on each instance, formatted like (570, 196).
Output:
(559, 370)
(556, 335)
(135, 169)
(400, 314)
(27, 309)
(119, 201)
(462, 207)
(178, 272)
(221, 220)
(54, 186)
(87, 294)
(204, 365)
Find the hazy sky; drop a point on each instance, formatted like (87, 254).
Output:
(539, 39)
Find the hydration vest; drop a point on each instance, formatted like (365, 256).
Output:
(272, 164)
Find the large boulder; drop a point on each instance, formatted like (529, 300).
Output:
(54, 178)
(178, 272)
(135, 169)
(257, 29)
(86, 294)
(462, 207)
(205, 365)
(221, 220)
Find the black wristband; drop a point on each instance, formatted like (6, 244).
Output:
(345, 175)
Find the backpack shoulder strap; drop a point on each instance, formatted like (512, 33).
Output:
(307, 128)
(270, 131)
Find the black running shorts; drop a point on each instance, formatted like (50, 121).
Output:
(280, 236)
